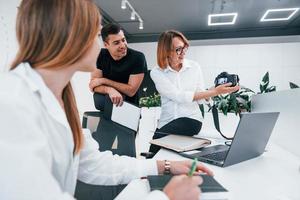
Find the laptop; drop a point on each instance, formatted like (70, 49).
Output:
(250, 140)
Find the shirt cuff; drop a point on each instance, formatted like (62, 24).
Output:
(157, 195)
(147, 167)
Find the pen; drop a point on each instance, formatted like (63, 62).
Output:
(193, 167)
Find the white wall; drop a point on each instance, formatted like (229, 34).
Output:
(8, 42)
(9, 47)
(249, 61)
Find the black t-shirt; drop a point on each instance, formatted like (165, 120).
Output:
(119, 70)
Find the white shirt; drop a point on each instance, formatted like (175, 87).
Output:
(177, 91)
(36, 146)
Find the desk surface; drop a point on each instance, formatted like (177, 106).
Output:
(273, 176)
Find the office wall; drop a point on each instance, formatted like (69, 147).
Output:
(250, 58)
(8, 43)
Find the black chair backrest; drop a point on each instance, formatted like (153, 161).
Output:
(110, 135)
(114, 137)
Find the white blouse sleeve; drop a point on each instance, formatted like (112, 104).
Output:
(104, 168)
(200, 84)
(24, 168)
(166, 88)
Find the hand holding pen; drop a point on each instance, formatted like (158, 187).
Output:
(193, 167)
(186, 185)
(184, 167)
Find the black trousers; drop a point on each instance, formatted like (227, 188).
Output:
(99, 101)
(180, 126)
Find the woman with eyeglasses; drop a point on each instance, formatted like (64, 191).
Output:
(179, 81)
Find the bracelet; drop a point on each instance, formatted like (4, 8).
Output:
(167, 167)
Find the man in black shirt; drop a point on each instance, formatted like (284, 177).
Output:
(120, 70)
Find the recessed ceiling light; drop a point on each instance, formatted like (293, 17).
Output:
(123, 4)
(292, 12)
(224, 15)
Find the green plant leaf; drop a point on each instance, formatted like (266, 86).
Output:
(265, 78)
(264, 87)
(265, 83)
(150, 101)
(201, 106)
(293, 85)
(270, 89)
(244, 97)
(244, 89)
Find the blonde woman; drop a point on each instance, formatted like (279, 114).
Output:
(180, 84)
(42, 148)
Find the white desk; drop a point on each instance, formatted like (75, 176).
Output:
(273, 176)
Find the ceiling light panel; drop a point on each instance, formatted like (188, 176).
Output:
(282, 14)
(222, 19)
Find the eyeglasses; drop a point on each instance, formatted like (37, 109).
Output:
(181, 50)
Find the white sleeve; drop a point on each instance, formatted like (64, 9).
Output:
(166, 88)
(104, 168)
(200, 84)
(157, 195)
(24, 170)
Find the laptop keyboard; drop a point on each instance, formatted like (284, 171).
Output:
(219, 156)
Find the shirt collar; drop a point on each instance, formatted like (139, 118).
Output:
(184, 67)
(37, 85)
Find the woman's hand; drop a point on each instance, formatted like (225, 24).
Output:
(183, 167)
(226, 89)
(183, 188)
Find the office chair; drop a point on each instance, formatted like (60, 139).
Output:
(114, 137)
(110, 136)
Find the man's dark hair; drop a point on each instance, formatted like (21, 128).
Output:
(109, 29)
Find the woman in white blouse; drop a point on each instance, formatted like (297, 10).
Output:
(179, 81)
(42, 148)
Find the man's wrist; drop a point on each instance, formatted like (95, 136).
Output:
(104, 81)
(108, 89)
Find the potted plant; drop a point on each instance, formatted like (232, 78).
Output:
(293, 85)
(150, 112)
(150, 101)
(240, 101)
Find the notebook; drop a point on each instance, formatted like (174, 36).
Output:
(180, 143)
(211, 189)
(250, 140)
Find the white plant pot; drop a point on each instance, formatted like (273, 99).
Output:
(150, 117)
(147, 126)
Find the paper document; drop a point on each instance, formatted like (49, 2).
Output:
(127, 115)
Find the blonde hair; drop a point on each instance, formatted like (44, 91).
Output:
(164, 46)
(55, 33)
